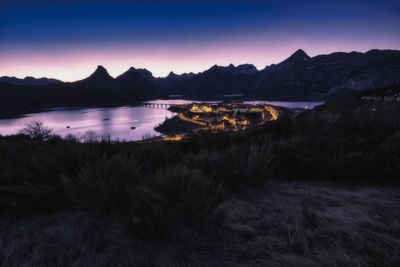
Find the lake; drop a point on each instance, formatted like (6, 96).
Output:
(116, 122)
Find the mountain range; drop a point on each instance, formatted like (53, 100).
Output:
(28, 80)
(298, 77)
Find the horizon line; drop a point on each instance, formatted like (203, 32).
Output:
(190, 72)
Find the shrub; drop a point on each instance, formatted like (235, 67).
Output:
(71, 138)
(90, 137)
(148, 214)
(36, 130)
(188, 192)
(104, 183)
(238, 164)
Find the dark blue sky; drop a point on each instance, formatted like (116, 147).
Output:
(38, 36)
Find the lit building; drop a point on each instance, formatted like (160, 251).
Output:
(242, 121)
(217, 125)
(274, 113)
(228, 119)
(200, 108)
(222, 109)
(256, 109)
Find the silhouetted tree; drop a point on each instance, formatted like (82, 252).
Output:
(36, 130)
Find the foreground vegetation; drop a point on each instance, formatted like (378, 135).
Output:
(154, 191)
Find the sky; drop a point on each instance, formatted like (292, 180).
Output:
(68, 39)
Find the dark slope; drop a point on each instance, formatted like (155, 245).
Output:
(298, 77)
(99, 89)
(167, 82)
(137, 85)
(216, 81)
(327, 76)
(142, 72)
(28, 80)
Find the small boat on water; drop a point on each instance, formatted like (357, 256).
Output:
(133, 127)
(68, 127)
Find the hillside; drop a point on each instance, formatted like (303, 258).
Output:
(299, 77)
(99, 89)
(317, 189)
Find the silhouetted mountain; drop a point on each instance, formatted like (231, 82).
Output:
(297, 77)
(100, 74)
(143, 72)
(172, 78)
(137, 83)
(216, 81)
(298, 57)
(327, 75)
(98, 79)
(246, 68)
(28, 80)
(131, 86)
(99, 89)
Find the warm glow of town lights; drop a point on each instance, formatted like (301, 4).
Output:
(226, 117)
(272, 111)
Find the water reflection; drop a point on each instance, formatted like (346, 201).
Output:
(116, 122)
(305, 105)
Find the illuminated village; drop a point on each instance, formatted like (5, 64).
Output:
(226, 117)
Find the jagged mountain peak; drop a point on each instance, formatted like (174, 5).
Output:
(101, 69)
(246, 68)
(100, 74)
(144, 72)
(300, 52)
(298, 56)
(214, 67)
(172, 74)
(28, 80)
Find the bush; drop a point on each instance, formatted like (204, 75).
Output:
(238, 164)
(104, 183)
(36, 130)
(191, 194)
(153, 186)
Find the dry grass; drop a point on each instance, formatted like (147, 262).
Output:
(315, 225)
(276, 225)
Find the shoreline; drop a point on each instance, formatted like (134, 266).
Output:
(22, 113)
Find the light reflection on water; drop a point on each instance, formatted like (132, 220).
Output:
(309, 105)
(114, 121)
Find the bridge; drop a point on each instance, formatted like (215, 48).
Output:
(155, 105)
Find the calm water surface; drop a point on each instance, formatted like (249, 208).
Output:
(114, 121)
